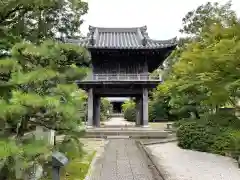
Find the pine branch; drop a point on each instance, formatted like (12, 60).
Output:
(9, 13)
(48, 126)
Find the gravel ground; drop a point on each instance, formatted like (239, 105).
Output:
(179, 164)
(92, 144)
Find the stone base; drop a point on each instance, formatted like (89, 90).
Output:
(89, 127)
(145, 126)
(125, 132)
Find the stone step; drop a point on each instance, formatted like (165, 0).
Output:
(117, 137)
(96, 133)
(140, 129)
(118, 126)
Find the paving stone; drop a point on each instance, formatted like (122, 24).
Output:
(122, 160)
(125, 177)
(141, 177)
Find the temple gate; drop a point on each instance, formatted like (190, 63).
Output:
(122, 60)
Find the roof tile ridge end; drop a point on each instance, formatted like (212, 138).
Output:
(91, 28)
(142, 32)
(92, 33)
(143, 28)
(171, 40)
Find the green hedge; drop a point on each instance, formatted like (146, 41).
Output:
(106, 109)
(130, 114)
(129, 110)
(216, 133)
(222, 119)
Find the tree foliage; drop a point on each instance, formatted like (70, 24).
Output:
(42, 86)
(37, 20)
(42, 89)
(198, 20)
(202, 78)
(37, 78)
(37, 85)
(205, 74)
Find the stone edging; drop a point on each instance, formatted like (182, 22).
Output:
(155, 172)
(162, 173)
(95, 161)
(159, 142)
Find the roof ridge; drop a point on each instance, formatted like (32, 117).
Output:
(118, 29)
(122, 38)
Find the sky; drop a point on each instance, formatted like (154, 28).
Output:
(162, 17)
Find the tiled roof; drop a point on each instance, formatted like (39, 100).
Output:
(121, 38)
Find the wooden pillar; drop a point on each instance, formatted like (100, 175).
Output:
(97, 102)
(145, 107)
(145, 69)
(90, 108)
(138, 111)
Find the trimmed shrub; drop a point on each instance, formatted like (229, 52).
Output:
(222, 144)
(130, 114)
(235, 145)
(216, 133)
(106, 109)
(194, 136)
(129, 110)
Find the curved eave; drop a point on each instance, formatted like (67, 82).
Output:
(134, 48)
(160, 58)
(151, 44)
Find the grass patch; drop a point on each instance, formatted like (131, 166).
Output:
(77, 169)
(79, 164)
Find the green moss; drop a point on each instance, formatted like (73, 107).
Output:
(77, 169)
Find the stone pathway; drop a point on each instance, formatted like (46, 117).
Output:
(122, 160)
(118, 121)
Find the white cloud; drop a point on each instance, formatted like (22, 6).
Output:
(163, 18)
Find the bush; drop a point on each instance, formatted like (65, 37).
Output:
(227, 143)
(222, 119)
(178, 123)
(222, 144)
(235, 145)
(129, 110)
(194, 136)
(106, 109)
(71, 147)
(158, 110)
(216, 133)
(130, 114)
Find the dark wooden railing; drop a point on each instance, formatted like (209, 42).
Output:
(123, 77)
